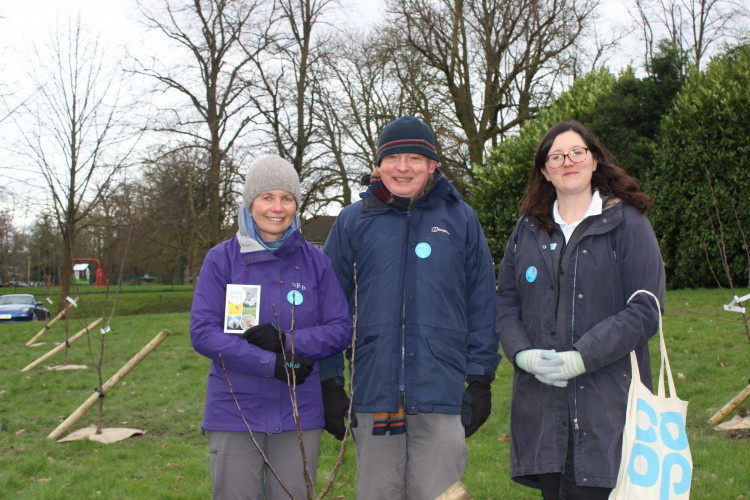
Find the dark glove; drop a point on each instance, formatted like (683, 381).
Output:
(302, 368)
(477, 403)
(335, 406)
(266, 336)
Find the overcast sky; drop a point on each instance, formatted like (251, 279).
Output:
(25, 23)
(28, 23)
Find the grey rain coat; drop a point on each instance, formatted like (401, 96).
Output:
(556, 296)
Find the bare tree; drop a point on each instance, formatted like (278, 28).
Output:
(289, 88)
(497, 62)
(74, 130)
(694, 27)
(220, 40)
(356, 98)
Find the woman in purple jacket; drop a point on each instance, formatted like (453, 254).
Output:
(267, 306)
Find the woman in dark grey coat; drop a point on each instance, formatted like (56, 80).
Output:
(581, 247)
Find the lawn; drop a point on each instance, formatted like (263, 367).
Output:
(164, 397)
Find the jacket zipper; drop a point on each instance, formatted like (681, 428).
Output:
(402, 371)
(572, 333)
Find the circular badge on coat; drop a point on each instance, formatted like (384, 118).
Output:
(294, 297)
(531, 274)
(423, 250)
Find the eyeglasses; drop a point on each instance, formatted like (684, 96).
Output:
(576, 155)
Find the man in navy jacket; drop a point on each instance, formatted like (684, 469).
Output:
(426, 349)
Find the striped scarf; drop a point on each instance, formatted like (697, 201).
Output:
(393, 423)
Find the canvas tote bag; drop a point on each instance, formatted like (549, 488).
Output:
(656, 462)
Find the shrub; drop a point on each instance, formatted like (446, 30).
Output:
(706, 133)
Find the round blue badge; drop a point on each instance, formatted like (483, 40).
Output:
(294, 297)
(423, 250)
(531, 274)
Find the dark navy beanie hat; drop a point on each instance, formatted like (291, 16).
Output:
(406, 135)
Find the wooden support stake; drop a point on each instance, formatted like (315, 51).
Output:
(456, 492)
(734, 403)
(60, 347)
(49, 325)
(109, 384)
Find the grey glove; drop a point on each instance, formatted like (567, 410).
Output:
(545, 365)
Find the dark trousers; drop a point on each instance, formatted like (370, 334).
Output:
(563, 486)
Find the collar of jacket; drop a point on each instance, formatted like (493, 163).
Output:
(611, 216)
(442, 189)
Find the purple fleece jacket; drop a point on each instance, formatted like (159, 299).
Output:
(322, 326)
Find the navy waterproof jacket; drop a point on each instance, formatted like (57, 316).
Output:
(425, 293)
(563, 297)
(297, 271)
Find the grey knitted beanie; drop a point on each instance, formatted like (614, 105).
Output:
(269, 173)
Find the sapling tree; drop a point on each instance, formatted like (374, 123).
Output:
(717, 230)
(292, 384)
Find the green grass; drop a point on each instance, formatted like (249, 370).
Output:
(164, 396)
(132, 299)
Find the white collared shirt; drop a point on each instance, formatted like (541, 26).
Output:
(595, 208)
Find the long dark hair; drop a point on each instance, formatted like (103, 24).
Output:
(608, 178)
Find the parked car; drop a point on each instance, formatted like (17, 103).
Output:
(21, 307)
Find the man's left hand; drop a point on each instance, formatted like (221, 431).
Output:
(477, 403)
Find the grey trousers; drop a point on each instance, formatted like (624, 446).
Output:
(238, 471)
(420, 464)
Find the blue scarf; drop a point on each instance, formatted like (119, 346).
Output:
(252, 231)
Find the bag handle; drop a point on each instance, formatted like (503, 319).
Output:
(662, 347)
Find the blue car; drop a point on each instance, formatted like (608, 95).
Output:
(21, 307)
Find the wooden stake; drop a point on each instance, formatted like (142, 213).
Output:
(734, 403)
(49, 325)
(60, 347)
(456, 492)
(109, 384)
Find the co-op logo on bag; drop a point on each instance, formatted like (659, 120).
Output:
(656, 432)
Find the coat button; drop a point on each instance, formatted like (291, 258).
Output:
(580, 387)
(411, 354)
(580, 295)
(585, 252)
(544, 247)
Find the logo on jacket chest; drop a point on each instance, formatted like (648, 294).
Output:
(531, 273)
(294, 296)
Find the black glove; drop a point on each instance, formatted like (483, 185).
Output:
(302, 368)
(477, 403)
(266, 336)
(335, 406)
